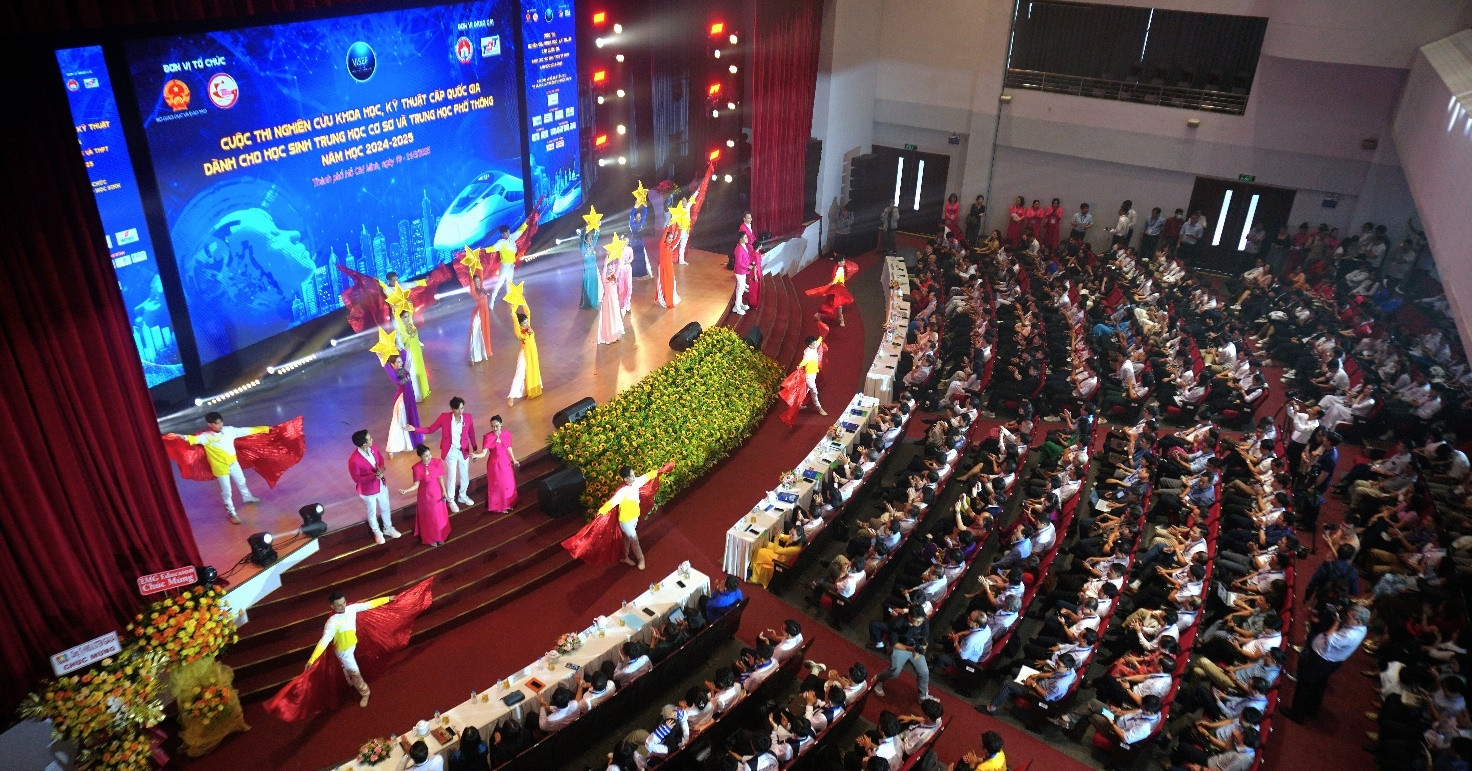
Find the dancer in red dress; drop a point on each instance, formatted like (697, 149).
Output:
(835, 294)
(1052, 218)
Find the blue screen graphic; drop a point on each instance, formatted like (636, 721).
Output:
(105, 152)
(377, 142)
(550, 80)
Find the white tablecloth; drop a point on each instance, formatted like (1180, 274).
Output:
(770, 515)
(879, 382)
(487, 709)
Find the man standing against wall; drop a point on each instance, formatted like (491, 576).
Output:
(1080, 224)
(1149, 242)
(1191, 234)
(889, 223)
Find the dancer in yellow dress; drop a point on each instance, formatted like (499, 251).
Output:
(527, 382)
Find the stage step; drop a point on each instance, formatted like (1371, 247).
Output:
(779, 317)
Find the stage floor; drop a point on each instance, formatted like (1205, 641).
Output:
(350, 391)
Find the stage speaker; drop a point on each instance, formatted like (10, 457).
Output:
(811, 166)
(753, 337)
(574, 412)
(558, 492)
(685, 337)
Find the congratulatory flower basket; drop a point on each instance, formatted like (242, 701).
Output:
(694, 411)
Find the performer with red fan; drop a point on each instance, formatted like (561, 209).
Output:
(835, 294)
(222, 453)
(611, 534)
(803, 382)
(374, 303)
(362, 634)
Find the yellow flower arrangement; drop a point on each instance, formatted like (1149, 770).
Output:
(102, 710)
(694, 410)
(192, 626)
(208, 702)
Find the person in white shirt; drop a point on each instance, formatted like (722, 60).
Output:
(558, 713)
(419, 758)
(341, 631)
(919, 729)
(1322, 657)
(1131, 726)
(724, 690)
(594, 690)
(636, 663)
(219, 449)
(783, 643)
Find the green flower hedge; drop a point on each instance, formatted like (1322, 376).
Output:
(694, 411)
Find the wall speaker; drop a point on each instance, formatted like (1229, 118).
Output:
(685, 338)
(574, 412)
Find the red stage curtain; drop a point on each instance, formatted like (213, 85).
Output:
(87, 499)
(784, 77)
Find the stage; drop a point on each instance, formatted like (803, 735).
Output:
(348, 391)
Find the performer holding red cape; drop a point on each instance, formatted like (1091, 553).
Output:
(363, 635)
(835, 294)
(613, 533)
(803, 381)
(221, 453)
(372, 303)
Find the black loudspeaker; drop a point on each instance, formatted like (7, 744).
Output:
(753, 337)
(685, 337)
(574, 412)
(811, 166)
(559, 492)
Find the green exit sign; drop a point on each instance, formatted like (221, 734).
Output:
(912, 147)
(1246, 177)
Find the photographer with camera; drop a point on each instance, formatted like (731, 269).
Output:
(1318, 660)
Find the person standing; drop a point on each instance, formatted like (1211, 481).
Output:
(1170, 233)
(1191, 234)
(592, 276)
(366, 467)
(974, 218)
(1079, 225)
(611, 313)
(951, 215)
(218, 441)
(1128, 207)
(431, 515)
(889, 225)
(501, 465)
(1321, 658)
(457, 444)
(746, 228)
(505, 251)
(910, 643)
(405, 415)
(843, 229)
(1016, 220)
(341, 632)
(741, 267)
(406, 335)
(1052, 220)
(1154, 224)
(754, 279)
(802, 382)
(1121, 229)
(626, 500)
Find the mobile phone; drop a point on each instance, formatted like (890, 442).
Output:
(648, 612)
(680, 584)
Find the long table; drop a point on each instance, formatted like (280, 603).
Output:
(879, 382)
(635, 620)
(771, 514)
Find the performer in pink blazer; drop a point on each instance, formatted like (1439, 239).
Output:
(457, 443)
(366, 467)
(742, 267)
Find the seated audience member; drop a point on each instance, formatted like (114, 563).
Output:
(559, 712)
(723, 601)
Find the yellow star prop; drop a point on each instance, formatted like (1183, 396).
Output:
(385, 347)
(514, 295)
(592, 219)
(398, 298)
(615, 247)
(471, 260)
(641, 195)
(680, 215)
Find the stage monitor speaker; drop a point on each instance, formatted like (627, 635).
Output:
(811, 167)
(559, 492)
(574, 412)
(753, 337)
(685, 337)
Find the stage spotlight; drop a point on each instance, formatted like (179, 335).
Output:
(312, 524)
(600, 76)
(261, 552)
(622, 160)
(727, 178)
(730, 143)
(715, 155)
(599, 42)
(619, 58)
(730, 105)
(717, 28)
(600, 17)
(732, 68)
(618, 29)
(619, 93)
(715, 113)
(600, 101)
(208, 576)
(717, 53)
(715, 88)
(733, 40)
(602, 161)
(622, 129)
(601, 140)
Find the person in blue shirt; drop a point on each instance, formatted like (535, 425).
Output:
(723, 601)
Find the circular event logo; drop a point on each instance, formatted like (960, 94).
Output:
(223, 90)
(72, 84)
(463, 51)
(176, 94)
(361, 61)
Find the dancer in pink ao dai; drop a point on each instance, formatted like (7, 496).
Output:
(501, 465)
(610, 315)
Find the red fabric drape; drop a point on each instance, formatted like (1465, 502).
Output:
(784, 76)
(89, 502)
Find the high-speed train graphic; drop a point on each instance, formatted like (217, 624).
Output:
(489, 201)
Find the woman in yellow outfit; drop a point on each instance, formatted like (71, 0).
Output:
(527, 382)
(781, 550)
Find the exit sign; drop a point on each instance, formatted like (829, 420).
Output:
(912, 147)
(1246, 177)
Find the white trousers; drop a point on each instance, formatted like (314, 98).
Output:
(631, 539)
(457, 475)
(812, 379)
(378, 509)
(503, 278)
(740, 292)
(238, 475)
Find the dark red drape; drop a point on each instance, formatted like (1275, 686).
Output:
(87, 499)
(784, 76)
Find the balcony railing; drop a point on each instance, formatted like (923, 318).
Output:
(1232, 102)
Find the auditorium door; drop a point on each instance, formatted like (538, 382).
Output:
(1230, 208)
(916, 182)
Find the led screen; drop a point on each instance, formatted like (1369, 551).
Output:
(378, 142)
(551, 88)
(109, 167)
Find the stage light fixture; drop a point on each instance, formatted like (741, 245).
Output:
(600, 17)
(600, 76)
(733, 40)
(732, 68)
(618, 29)
(600, 101)
(622, 129)
(715, 113)
(619, 58)
(715, 155)
(730, 143)
(619, 93)
(312, 524)
(716, 53)
(730, 105)
(623, 161)
(717, 28)
(208, 576)
(601, 140)
(599, 42)
(602, 161)
(261, 552)
(727, 177)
